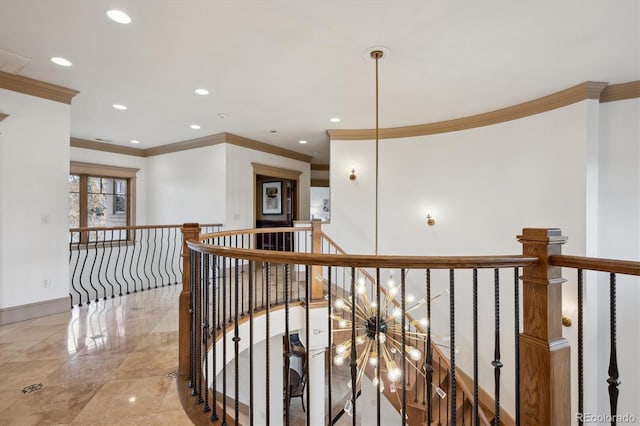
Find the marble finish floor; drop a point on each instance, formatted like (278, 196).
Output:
(108, 363)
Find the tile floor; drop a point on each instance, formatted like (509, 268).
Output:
(108, 363)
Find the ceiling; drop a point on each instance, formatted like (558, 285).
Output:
(280, 70)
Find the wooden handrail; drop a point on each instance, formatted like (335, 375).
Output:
(627, 267)
(124, 228)
(367, 261)
(252, 231)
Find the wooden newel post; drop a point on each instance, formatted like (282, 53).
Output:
(316, 271)
(545, 380)
(190, 232)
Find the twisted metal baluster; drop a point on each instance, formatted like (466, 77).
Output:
(224, 341)
(286, 353)
(236, 340)
(205, 330)
(452, 351)
(214, 353)
(580, 350)
(352, 363)
(428, 361)
(613, 379)
(497, 364)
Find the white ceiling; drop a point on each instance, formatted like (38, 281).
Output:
(291, 65)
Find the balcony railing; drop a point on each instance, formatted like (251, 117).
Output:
(235, 293)
(109, 262)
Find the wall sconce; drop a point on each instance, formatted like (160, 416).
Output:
(430, 220)
(352, 176)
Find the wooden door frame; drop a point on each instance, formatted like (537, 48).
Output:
(275, 172)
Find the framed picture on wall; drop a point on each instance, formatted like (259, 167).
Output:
(272, 197)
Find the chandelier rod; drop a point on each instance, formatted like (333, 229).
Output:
(377, 54)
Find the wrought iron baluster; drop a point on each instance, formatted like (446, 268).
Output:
(100, 269)
(614, 375)
(75, 267)
(124, 262)
(236, 339)
(378, 361)
(115, 266)
(403, 360)
(307, 296)
(135, 290)
(205, 329)
(133, 255)
(286, 353)
(192, 328)
(251, 303)
(452, 348)
(352, 363)
(267, 280)
(216, 326)
(224, 341)
(428, 361)
(476, 418)
(144, 266)
(93, 263)
(153, 255)
(497, 363)
(329, 343)
(516, 320)
(580, 349)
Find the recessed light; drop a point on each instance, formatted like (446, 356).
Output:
(135, 141)
(202, 92)
(335, 120)
(61, 61)
(118, 16)
(302, 142)
(120, 107)
(195, 126)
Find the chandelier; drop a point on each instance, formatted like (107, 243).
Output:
(379, 336)
(378, 325)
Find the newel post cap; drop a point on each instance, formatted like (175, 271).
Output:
(542, 235)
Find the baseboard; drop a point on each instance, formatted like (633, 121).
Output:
(33, 310)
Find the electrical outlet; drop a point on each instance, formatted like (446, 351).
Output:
(46, 283)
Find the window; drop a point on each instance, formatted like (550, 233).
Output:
(101, 197)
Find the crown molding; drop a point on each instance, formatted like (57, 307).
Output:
(202, 142)
(3, 116)
(265, 147)
(580, 92)
(33, 87)
(216, 139)
(320, 167)
(105, 147)
(621, 91)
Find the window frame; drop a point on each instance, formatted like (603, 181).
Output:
(85, 170)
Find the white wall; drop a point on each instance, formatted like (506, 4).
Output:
(187, 186)
(240, 181)
(619, 238)
(483, 186)
(34, 169)
(120, 160)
